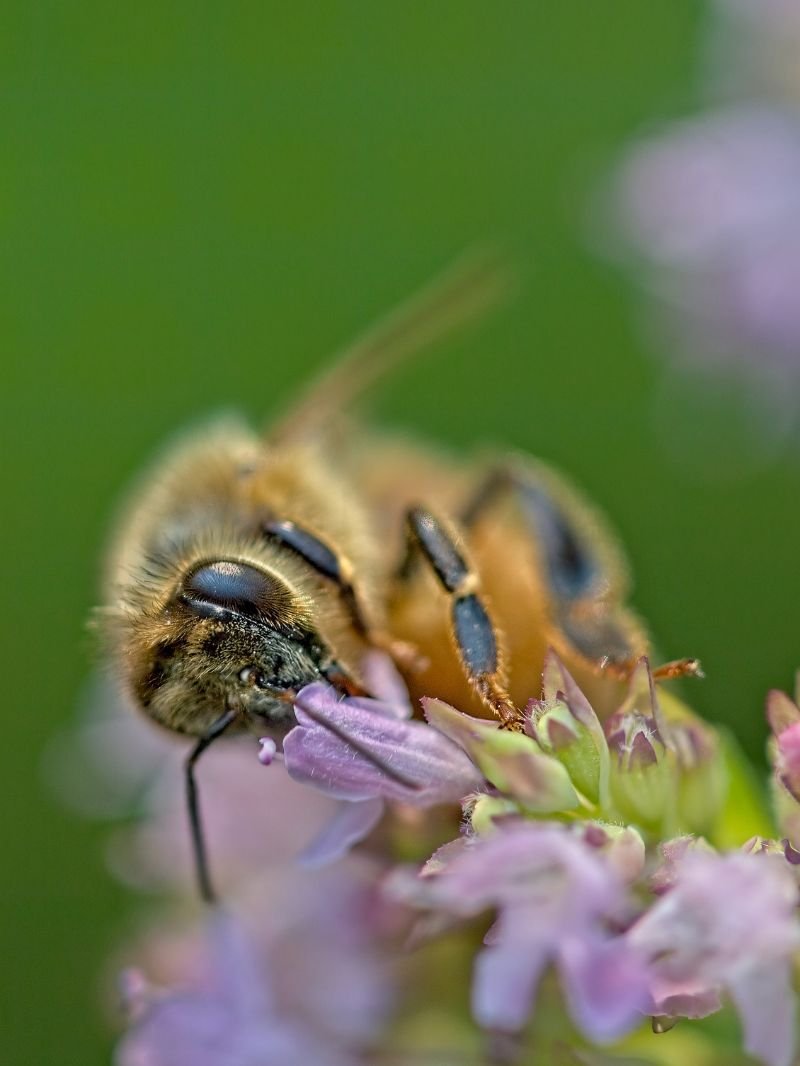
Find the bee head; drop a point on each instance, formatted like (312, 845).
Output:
(233, 635)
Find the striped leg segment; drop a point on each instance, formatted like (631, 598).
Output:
(474, 633)
(322, 558)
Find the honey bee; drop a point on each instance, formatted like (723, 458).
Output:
(249, 565)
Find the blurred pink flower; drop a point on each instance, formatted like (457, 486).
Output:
(752, 50)
(711, 207)
(727, 923)
(226, 1013)
(783, 715)
(292, 965)
(254, 819)
(557, 898)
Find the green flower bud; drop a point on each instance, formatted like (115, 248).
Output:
(702, 780)
(622, 845)
(570, 741)
(513, 762)
(642, 779)
(486, 809)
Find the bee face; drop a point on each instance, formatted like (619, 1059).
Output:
(229, 638)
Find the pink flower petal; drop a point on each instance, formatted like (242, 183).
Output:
(504, 984)
(352, 822)
(766, 1004)
(351, 750)
(606, 985)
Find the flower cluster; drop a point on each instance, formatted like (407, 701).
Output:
(710, 208)
(304, 986)
(598, 851)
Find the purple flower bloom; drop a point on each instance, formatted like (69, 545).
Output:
(555, 896)
(673, 853)
(712, 206)
(727, 923)
(710, 183)
(297, 974)
(358, 749)
(351, 823)
(255, 820)
(226, 1017)
(298, 971)
(327, 937)
(754, 47)
(385, 682)
(364, 752)
(757, 11)
(783, 715)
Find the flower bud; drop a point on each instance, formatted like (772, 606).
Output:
(565, 724)
(513, 762)
(487, 811)
(622, 846)
(783, 716)
(673, 853)
(562, 735)
(702, 778)
(641, 785)
(764, 846)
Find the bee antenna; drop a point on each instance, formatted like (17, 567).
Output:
(472, 286)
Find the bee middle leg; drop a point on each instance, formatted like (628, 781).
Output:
(583, 587)
(475, 635)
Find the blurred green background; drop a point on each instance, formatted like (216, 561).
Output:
(197, 204)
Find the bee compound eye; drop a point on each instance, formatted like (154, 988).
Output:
(226, 585)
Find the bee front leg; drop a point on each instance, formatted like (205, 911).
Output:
(475, 635)
(337, 568)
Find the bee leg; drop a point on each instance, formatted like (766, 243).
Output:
(671, 671)
(597, 626)
(678, 668)
(473, 631)
(193, 804)
(573, 568)
(337, 568)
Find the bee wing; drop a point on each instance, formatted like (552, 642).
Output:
(467, 290)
